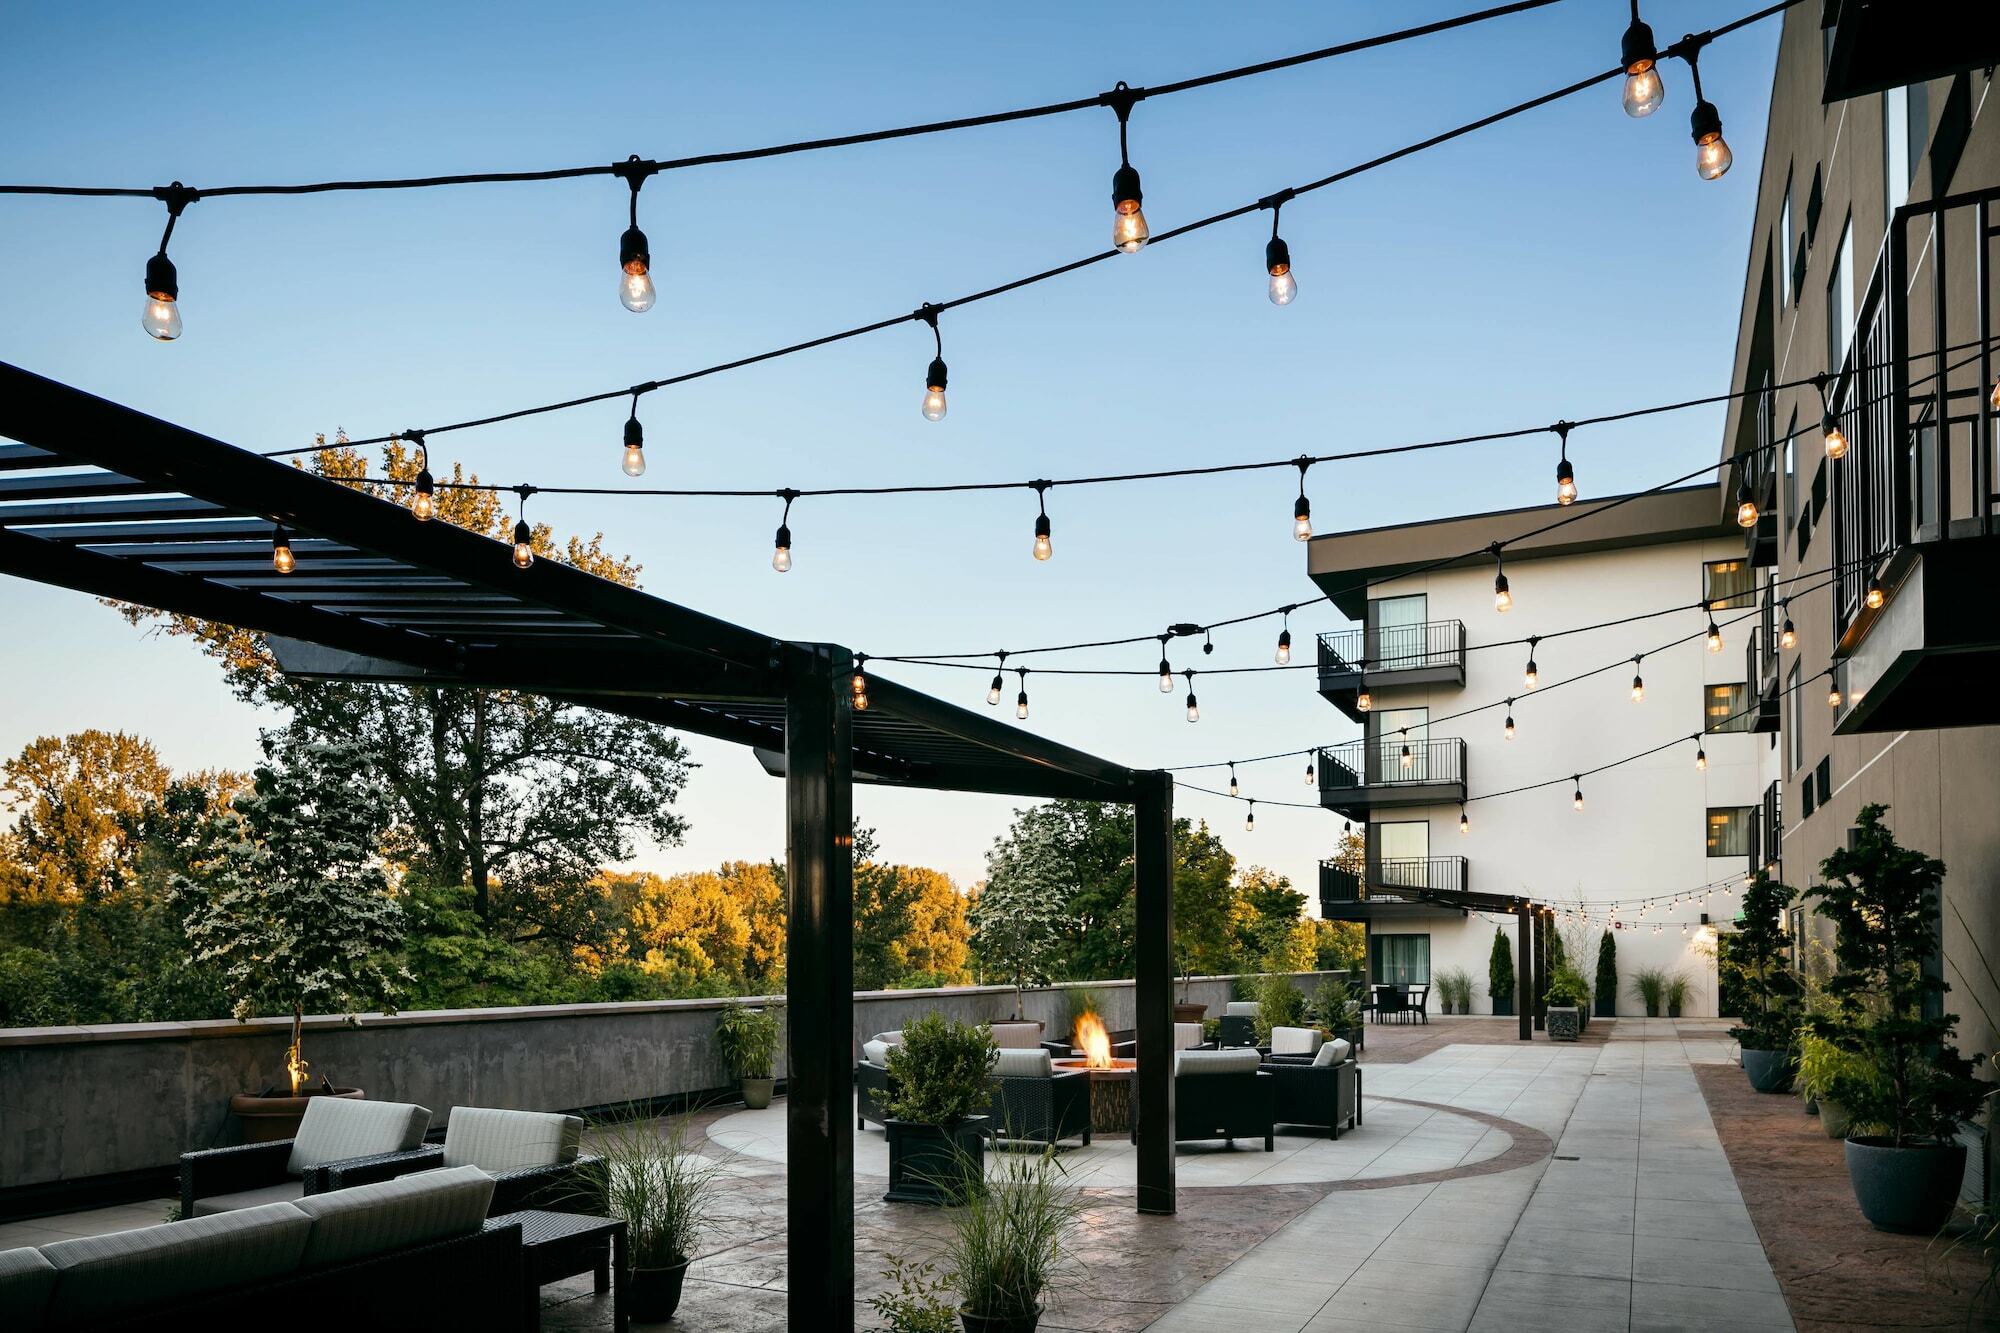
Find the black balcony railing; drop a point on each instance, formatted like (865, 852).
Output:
(1767, 830)
(1760, 666)
(1396, 879)
(1387, 649)
(1391, 762)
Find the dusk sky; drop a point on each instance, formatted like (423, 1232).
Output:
(1563, 264)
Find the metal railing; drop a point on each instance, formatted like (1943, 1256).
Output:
(1390, 762)
(1392, 879)
(1767, 830)
(1390, 648)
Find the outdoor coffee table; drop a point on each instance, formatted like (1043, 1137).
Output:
(559, 1245)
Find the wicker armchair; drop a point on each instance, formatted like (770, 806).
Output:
(1035, 1104)
(1325, 1096)
(1223, 1095)
(531, 1155)
(334, 1132)
(1239, 1023)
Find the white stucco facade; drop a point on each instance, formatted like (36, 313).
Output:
(1644, 829)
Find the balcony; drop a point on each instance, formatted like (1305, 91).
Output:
(1384, 774)
(1432, 653)
(1394, 886)
(1872, 47)
(1767, 831)
(1912, 503)
(1760, 668)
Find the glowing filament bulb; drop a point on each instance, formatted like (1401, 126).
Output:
(1284, 653)
(1643, 91)
(994, 691)
(524, 545)
(424, 503)
(281, 552)
(1166, 677)
(1302, 519)
(1836, 438)
(1464, 824)
(1714, 636)
(1700, 760)
(1530, 677)
(781, 554)
(934, 382)
(161, 315)
(1788, 637)
(1363, 701)
(1021, 705)
(1576, 801)
(1234, 790)
(1875, 596)
(1503, 599)
(1250, 820)
(1509, 732)
(1638, 689)
(1312, 775)
(635, 448)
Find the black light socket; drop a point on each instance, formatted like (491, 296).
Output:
(1705, 122)
(1303, 508)
(1277, 257)
(784, 541)
(635, 434)
(1041, 525)
(1636, 51)
(523, 536)
(1564, 472)
(1125, 187)
(935, 376)
(633, 249)
(162, 282)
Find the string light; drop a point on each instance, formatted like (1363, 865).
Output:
(1363, 700)
(423, 504)
(934, 375)
(1509, 731)
(1875, 596)
(1302, 509)
(1746, 501)
(1166, 669)
(1283, 657)
(1193, 708)
(1128, 222)
(1409, 759)
(1021, 699)
(1530, 676)
(1312, 774)
(1714, 635)
(994, 690)
(524, 538)
(1576, 801)
(1043, 550)
(635, 259)
(1638, 683)
(1834, 438)
(1284, 287)
(161, 315)
(634, 464)
(1712, 156)
(1233, 788)
(281, 550)
(1464, 823)
(1503, 599)
(781, 553)
(1565, 474)
(1832, 691)
(1700, 760)
(1788, 636)
(858, 686)
(1643, 90)
(1250, 819)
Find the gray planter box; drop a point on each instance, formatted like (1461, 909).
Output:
(1565, 1022)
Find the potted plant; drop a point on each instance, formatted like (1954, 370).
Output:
(1568, 997)
(1500, 973)
(748, 1042)
(1675, 992)
(1455, 990)
(1337, 1011)
(288, 894)
(1211, 1031)
(1766, 985)
(664, 1193)
(1607, 977)
(1010, 1241)
(938, 1091)
(1647, 984)
(1821, 1066)
(1280, 1004)
(1916, 1089)
(1187, 1009)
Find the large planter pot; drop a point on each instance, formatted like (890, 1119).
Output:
(655, 1293)
(1503, 1006)
(268, 1119)
(1769, 1071)
(1834, 1118)
(1652, 1009)
(1187, 1012)
(979, 1323)
(1603, 1007)
(757, 1092)
(926, 1160)
(1673, 1011)
(1910, 1190)
(1564, 1022)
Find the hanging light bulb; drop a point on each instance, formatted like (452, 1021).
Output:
(423, 504)
(1565, 473)
(1233, 789)
(993, 691)
(1509, 732)
(635, 260)
(1714, 636)
(781, 554)
(524, 538)
(858, 688)
(1363, 700)
(1530, 676)
(1021, 699)
(161, 315)
(1166, 669)
(1128, 222)
(1700, 760)
(1464, 824)
(281, 550)
(1836, 438)
(934, 375)
(1638, 683)
(1312, 774)
(1503, 599)
(1788, 637)
(1043, 550)
(1250, 820)
(1193, 708)
(1283, 657)
(1643, 90)
(635, 443)
(1711, 154)
(1302, 509)
(1832, 693)
(1875, 596)
(1278, 257)
(1409, 760)
(1576, 801)
(1746, 503)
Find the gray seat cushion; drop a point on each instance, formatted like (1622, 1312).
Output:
(1022, 1064)
(396, 1214)
(100, 1278)
(285, 1191)
(335, 1129)
(495, 1140)
(26, 1279)
(1217, 1062)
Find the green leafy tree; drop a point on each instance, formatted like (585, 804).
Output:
(1883, 901)
(1500, 967)
(1760, 968)
(1338, 945)
(1268, 911)
(1607, 966)
(288, 894)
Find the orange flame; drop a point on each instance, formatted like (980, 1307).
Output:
(1096, 1042)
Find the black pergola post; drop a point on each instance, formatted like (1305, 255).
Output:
(1541, 968)
(1153, 986)
(1523, 945)
(819, 963)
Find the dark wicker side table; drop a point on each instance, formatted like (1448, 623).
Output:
(559, 1245)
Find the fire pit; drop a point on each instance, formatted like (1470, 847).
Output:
(1110, 1077)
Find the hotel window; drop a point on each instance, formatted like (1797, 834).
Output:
(1823, 779)
(1729, 830)
(1727, 583)
(1795, 717)
(1792, 473)
(1726, 708)
(1785, 246)
(1840, 300)
(1895, 148)
(1401, 960)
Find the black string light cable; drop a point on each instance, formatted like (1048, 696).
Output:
(1113, 99)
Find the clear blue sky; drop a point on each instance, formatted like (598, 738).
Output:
(1562, 264)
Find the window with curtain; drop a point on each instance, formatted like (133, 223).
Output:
(1402, 960)
(1729, 830)
(1727, 583)
(1726, 708)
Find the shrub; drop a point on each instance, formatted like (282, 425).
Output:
(1567, 986)
(1607, 965)
(1649, 984)
(1758, 964)
(938, 1076)
(1280, 1004)
(1500, 967)
(1334, 1006)
(1455, 989)
(1078, 1001)
(660, 1188)
(1675, 990)
(748, 1041)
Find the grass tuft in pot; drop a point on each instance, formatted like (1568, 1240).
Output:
(747, 1040)
(1649, 984)
(647, 1176)
(1012, 1239)
(1674, 992)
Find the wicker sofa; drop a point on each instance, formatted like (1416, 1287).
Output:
(416, 1253)
(1223, 1095)
(1323, 1093)
(334, 1132)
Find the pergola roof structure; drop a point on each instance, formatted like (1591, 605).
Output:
(106, 500)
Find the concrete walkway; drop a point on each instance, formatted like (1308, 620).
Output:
(1635, 1224)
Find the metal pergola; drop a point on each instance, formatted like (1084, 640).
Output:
(108, 501)
(1533, 923)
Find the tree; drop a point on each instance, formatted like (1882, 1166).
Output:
(519, 796)
(75, 800)
(1500, 967)
(1758, 964)
(910, 928)
(288, 893)
(1883, 901)
(1338, 946)
(1205, 908)
(1268, 910)
(1607, 969)
(719, 931)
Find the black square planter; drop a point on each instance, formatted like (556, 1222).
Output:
(925, 1161)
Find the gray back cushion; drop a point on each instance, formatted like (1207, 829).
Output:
(1240, 1009)
(1022, 1064)
(100, 1278)
(1017, 1036)
(26, 1279)
(1295, 1041)
(508, 1140)
(1333, 1053)
(876, 1052)
(396, 1214)
(1186, 1035)
(335, 1129)
(1236, 1061)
